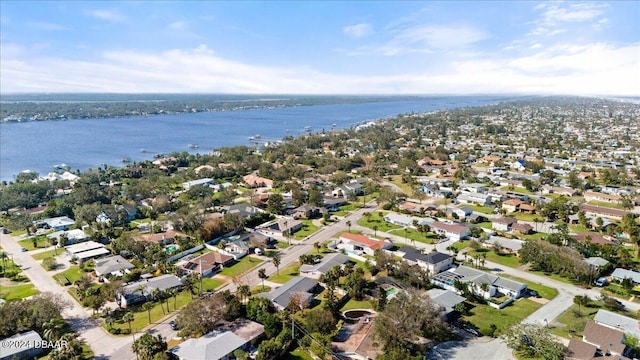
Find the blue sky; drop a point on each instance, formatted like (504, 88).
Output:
(321, 47)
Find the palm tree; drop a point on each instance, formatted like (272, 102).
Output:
(158, 297)
(243, 292)
(286, 223)
(174, 293)
(109, 321)
(53, 329)
(276, 262)
(375, 230)
(191, 284)
(4, 256)
(349, 224)
(317, 246)
(262, 274)
(128, 317)
(148, 306)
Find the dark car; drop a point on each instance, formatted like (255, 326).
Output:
(173, 325)
(533, 293)
(471, 331)
(23, 249)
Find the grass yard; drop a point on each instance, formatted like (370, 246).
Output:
(606, 204)
(520, 190)
(72, 274)
(406, 188)
(485, 225)
(17, 292)
(376, 220)
(298, 354)
(283, 244)
(544, 291)
(350, 207)
(47, 254)
(287, 273)
(573, 322)
(509, 260)
(357, 304)
(210, 284)
(413, 235)
(459, 245)
(41, 242)
(245, 264)
(557, 277)
(481, 209)
(307, 229)
(141, 318)
(524, 216)
(260, 289)
(483, 316)
(534, 236)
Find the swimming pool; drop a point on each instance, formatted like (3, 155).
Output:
(171, 248)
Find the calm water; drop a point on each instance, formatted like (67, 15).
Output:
(84, 144)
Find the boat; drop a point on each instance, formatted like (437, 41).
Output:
(193, 146)
(126, 159)
(307, 128)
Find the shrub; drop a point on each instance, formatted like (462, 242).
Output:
(49, 263)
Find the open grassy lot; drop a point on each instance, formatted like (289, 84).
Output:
(459, 245)
(210, 284)
(245, 264)
(483, 316)
(72, 274)
(485, 225)
(287, 273)
(606, 204)
(509, 260)
(406, 189)
(524, 216)
(14, 292)
(41, 242)
(307, 229)
(141, 318)
(260, 289)
(534, 236)
(481, 209)
(544, 291)
(413, 235)
(376, 220)
(357, 304)
(47, 254)
(520, 190)
(571, 322)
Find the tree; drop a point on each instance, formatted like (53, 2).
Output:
(262, 274)
(581, 300)
(191, 284)
(381, 300)
(317, 246)
(276, 262)
(148, 346)
(534, 341)
(375, 230)
(157, 295)
(275, 203)
(628, 284)
(243, 292)
(348, 223)
(148, 306)
(356, 283)
(53, 329)
(128, 317)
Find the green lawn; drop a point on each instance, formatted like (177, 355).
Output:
(481, 209)
(72, 274)
(287, 273)
(534, 236)
(260, 289)
(577, 228)
(350, 207)
(506, 260)
(459, 245)
(283, 244)
(524, 216)
(397, 180)
(573, 322)
(414, 235)
(483, 316)
(544, 291)
(298, 354)
(485, 225)
(606, 204)
(41, 242)
(245, 264)
(47, 254)
(17, 292)
(376, 220)
(557, 277)
(210, 284)
(141, 318)
(520, 190)
(307, 229)
(357, 304)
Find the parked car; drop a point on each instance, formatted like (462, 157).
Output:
(601, 282)
(23, 249)
(173, 325)
(533, 293)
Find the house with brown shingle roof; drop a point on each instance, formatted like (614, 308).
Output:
(205, 264)
(608, 340)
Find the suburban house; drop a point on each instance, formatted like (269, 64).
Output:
(434, 262)
(200, 182)
(220, 344)
(130, 211)
(598, 211)
(205, 264)
(596, 262)
(356, 244)
(512, 205)
(406, 221)
(281, 226)
(474, 198)
(343, 191)
(476, 188)
(588, 237)
(314, 271)
(452, 231)
(56, 223)
(620, 274)
(462, 212)
(142, 291)
(86, 250)
(72, 236)
(113, 266)
(27, 347)
(307, 212)
(244, 210)
(237, 249)
(519, 228)
(301, 287)
(598, 196)
(512, 246)
(616, 321)
(447, 300)
(503, 224)
(609, 341)
(476, 278)
(255, 181)
(162, 238)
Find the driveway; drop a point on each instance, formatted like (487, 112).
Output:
(494, 349)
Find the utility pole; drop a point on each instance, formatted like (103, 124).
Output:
(292, 329)
(201, 277)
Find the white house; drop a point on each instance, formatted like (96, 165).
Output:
(477, 280)
(203, 182)
(434, 262)
(452, 231)
(355, 244)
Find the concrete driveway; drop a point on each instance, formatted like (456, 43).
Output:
(481, 348)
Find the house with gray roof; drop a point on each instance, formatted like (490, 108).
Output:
(620, 274)
(21, 346)
(511, 245)
(435, 262)
(495, 285)
(613, 320)
(304, 287)
(113, 266)
(596, 262)
(446, 299)
(142, 291)
(315, 270)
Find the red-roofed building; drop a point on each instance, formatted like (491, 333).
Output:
(452, 231)
(358, 244)
(163, 238)
(588, 237)
(595, 211)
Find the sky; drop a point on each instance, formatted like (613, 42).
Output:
(321, 47)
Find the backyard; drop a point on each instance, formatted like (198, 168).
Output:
(287, 273)
(307, 229)
(483, 316)
(14, 292)
(245, 264)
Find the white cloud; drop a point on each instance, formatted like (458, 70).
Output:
(108, 15)
(46, 26)
(178, 25)
(358, 30)
(596, 69)
(554, 16)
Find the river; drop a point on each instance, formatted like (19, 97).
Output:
(89, 143)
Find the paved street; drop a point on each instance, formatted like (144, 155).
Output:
(474, 349)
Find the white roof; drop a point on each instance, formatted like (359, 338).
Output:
(25, 341)
(621, 274)
(92, 253)
(75, 234)
(617, 321)
(84, 246)
(212, 346)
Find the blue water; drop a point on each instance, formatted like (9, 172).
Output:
(84, 144)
